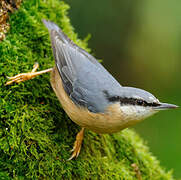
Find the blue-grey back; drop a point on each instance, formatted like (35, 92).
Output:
(85, 80)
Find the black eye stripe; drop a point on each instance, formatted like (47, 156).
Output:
(139, 102)
(129, 101)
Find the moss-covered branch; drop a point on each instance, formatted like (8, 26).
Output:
(35, 133)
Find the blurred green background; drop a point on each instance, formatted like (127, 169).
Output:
(139, 43)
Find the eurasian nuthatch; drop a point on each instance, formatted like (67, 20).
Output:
(88, 92)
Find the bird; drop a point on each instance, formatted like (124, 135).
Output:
(88, 93)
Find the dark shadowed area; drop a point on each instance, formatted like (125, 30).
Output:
(139, 43)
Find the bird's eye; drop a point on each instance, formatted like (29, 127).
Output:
(140, 102)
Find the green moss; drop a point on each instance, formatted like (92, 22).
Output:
(35, 133)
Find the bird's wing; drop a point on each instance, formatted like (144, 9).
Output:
(84, 79)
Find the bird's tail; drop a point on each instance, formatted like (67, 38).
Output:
(52, 26)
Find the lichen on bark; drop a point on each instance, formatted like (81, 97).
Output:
(35, 133)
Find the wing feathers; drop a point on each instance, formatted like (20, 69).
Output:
(84, 78)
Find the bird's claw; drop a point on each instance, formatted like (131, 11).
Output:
(77, 145)
(23, 76)
(26, 76)
(76, 149)
(20, 78)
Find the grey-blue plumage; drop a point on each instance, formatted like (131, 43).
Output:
(90, 96)
(84, 79)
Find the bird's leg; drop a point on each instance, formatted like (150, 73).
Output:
(77, 144)
(26, 76)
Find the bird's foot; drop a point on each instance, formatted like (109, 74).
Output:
(27, 76)
(77, 144)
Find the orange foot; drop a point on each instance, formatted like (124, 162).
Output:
(77, 144)
(26, 76)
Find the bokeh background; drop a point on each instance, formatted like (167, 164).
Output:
(140, 44)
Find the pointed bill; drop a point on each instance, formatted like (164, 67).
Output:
(165, 106)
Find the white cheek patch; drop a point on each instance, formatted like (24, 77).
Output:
(136, 112)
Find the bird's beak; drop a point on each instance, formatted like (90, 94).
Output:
(165, 106)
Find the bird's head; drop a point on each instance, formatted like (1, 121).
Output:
(137, 104)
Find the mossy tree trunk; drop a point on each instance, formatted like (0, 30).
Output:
(35, 133)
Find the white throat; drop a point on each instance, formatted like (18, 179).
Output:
(135, 112)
